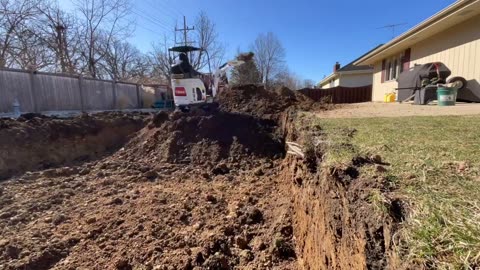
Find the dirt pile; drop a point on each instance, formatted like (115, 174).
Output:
(190, 191)
(37, 142)
(261, 102)
(201, 138)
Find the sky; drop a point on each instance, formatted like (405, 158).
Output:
(314, 33)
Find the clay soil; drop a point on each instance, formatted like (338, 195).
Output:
(188, 191)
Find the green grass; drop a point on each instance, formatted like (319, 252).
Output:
(435, 165)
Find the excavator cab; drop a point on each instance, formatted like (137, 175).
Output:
(190, 87)
(187, 84)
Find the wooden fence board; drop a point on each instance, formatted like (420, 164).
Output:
(341, 94)
(55, 93)
(126, 96)
(15, 85)
(98, 95)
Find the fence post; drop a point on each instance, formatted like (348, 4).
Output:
(139, 100)
(32, 91)
(80, 88)
(114, 94)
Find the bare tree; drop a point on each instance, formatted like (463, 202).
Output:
(59, 32)
(28, 50)
(121, 60)
(14, 14)
(160, 61)
(269, 56)
(307, 83)
(286, 78)
(103, 21)
(206, 37)
(246, 74)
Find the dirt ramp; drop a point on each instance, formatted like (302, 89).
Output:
(205, 138)
(37, 142)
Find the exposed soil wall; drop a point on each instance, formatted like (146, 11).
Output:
(37, 142)
(335, 225)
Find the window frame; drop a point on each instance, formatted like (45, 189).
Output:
(393, 67)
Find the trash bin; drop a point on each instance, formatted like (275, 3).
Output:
(446, 96)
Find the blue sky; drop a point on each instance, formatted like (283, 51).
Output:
(315, 34)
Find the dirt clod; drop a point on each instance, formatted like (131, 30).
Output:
(283, 249)
(210, 198)
(241, 242)
(58, 219)
(380, 168)
(254, 216)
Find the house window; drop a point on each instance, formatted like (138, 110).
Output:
(389, 70)
(393, 68)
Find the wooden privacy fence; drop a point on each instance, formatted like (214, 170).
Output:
(341, 94)
(40, 91)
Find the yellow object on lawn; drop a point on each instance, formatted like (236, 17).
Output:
(390, 97)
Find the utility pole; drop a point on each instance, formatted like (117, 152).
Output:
(60, 29)
(185, 30)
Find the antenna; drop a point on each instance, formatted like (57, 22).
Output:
(392, 26)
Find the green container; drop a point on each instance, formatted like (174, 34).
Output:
(446, 96)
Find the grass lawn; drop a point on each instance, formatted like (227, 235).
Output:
(435, 163)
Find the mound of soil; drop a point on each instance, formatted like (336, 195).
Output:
(190, 191)
(35, 141)
(261, 102)
(205, 138)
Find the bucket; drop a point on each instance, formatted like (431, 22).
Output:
(390, 97)
(446, 96)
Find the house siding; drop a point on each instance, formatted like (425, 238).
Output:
(457, 47)
(355, 80)
(335, 83)
(350, 80)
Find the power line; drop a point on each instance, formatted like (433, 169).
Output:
(143, 13)
(153, 31)
(170, 6)
(164, 11)
(156, 23)
(170, 25)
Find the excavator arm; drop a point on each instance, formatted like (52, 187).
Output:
(222, 71)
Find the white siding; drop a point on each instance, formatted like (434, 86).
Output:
(355, 80)
(457, 47)
(331, 83)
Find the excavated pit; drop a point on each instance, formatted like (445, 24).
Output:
(36, 142)
(189, 191)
